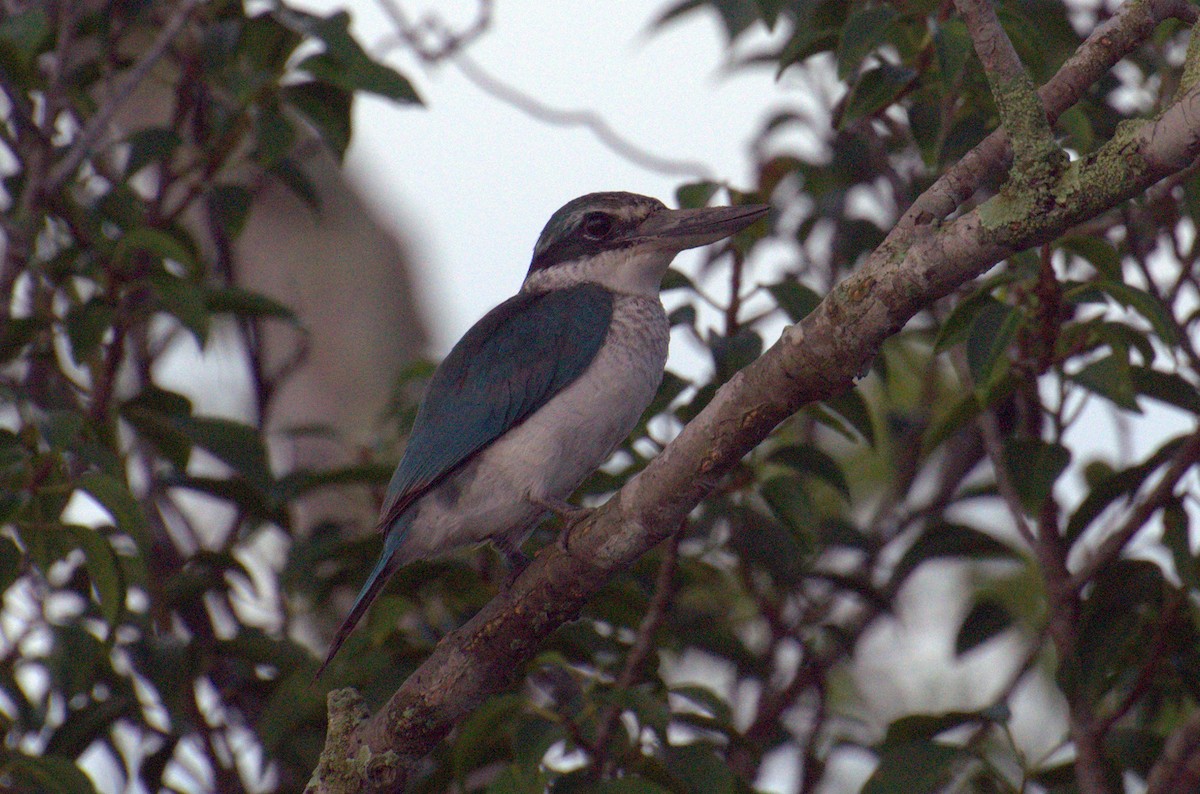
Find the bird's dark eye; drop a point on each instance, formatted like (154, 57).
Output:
(597, 225)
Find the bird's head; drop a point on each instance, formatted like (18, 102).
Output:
(624, 241)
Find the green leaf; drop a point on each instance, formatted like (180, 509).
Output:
(986, 619)
(184, 301)
(12, 561)
(864, 31)
(50, 774)
(1033, 468)
(148, 145)
(24, 36)
(1166, 387)
(957, 326)
(925, 727)
(16, 334)
(851, 406)
(246, 303)
(767, 544)
(630, 784)
(116, 498)
(952, 45)
(1097, 252)
(1110, 378)
(274, 136)
(813, 462)
(943, 540)
(104, 572)
(484, 736)
(991, 332)
(912, 767)
(1177, 538)
(230, 205)
(327, 106)
(732, 353)
(161, 245)
(86, 324)
(1145, 304)
(236, 444)
(696, 194)
(345, 64)
(1107, 490)
(700, 768)
(875, 90)
(797, 300)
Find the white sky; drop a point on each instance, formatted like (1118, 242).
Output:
(471, 180)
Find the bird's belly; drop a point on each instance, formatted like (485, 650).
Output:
(556, 448)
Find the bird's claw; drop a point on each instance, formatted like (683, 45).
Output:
(567, 512)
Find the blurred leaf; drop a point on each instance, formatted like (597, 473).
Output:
(851, 406)
(86, 324)
(864, 31)
(328, 108)
(991, 332)
(1166, 387)
(1122, 483)
(116, 498)
(952, 45)
(1116, 625)
(245, 303)
(148, 145)
(986, 619)
(345, 64)
(919, 766)
(1097, 252)
(483, 737)
(915, 728)
(49, 774)
(230, 205)
(1033, 468)
(24, 35)
(944, 540)
(695, 194)
(1145, 304)
(234, 443)
(1177, 539)
(874, 90)
(185, 302)
(809, 460)
(12, 562)
(1110, 378)
(797, 300)
(732, 353)
(104, 572)
(700, 768)
(767, 544)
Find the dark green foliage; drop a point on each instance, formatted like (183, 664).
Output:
(757, 629)
(129, 620)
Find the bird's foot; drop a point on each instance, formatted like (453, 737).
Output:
(569, 513)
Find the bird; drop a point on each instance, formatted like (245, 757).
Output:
(541, 391)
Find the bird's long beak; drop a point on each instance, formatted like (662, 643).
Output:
(683, 229)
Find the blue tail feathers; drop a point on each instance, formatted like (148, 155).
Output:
(380, 575)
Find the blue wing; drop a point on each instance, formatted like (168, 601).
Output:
(508, 365)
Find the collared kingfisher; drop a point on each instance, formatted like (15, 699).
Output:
(541, 391)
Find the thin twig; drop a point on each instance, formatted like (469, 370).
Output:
(99, 122)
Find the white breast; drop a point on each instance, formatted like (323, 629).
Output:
(552, 452)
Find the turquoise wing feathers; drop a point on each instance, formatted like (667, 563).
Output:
(511, 363)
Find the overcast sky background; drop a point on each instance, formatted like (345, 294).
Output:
(471, 180)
